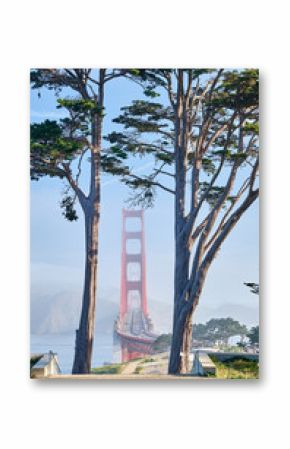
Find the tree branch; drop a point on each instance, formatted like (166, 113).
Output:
(115, 75)
(228, 226)
(254, 174)
(151, 182)
(80, 194)
(166, 173)
(80, 165)
(222, 222)
(169, 89)
(211, 220)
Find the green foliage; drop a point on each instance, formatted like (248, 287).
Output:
(208, 165)
(44, 77)
(212, 195)
(253, 335)
(135, 72)
(148, 125)
(108, 369)
(196, 73)
(51, 145)
(143, 192)
(151, 93)
(141, 119)
(144, 117)
(238, 90)
(162, 343)
(236, 368)
(116, 137)
(49, 140)
(225, 153)
(119, 152)
(165, 157)
(254, 288)
(251, 127)
(218, 329)
(112, 162)
(69, 212)
(81, 106)
(48, 131)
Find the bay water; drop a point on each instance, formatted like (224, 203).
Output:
(64, 344)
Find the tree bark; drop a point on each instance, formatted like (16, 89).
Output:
(85, 333)
(180, 282)
(182, 331)
(182, 328)
(182, 251)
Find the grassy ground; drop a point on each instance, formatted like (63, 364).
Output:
(156, 364)
(109, 369)
(236, 369)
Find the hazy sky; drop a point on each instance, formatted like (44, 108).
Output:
(57, 246)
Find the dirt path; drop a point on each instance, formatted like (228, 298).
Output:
(130, 367)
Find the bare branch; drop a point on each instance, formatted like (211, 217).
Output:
(215, 136)
(228, 226)
(114, 75)
(154, 183)
(189, 84)
(254, 174)
(80, 194)
(80, 165)
(169, 89)
(93, 80)
(165, 173)
(195, 209)
(211, 184)
(211, 220)
(241, 191)
(198, 230)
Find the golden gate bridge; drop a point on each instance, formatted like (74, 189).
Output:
(133, 327)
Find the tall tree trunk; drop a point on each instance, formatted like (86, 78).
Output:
(182, 255)
(182, 330)
(182, 338)
(85, 333)
(186, 305)
(182, 252)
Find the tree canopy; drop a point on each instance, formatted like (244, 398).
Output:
(218, 329)
(222, 127)
(253, 335)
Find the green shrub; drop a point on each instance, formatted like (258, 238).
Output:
(236, 368)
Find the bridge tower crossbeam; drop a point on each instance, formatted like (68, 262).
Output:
(128, 285)
(134, 327)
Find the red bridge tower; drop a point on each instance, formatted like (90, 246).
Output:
(133, 326)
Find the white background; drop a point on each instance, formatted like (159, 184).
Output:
(150, 33)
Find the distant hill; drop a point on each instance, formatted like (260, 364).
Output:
(245, 315)
(161, 314)
(60, 313)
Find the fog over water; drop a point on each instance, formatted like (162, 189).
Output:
(63, 345)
